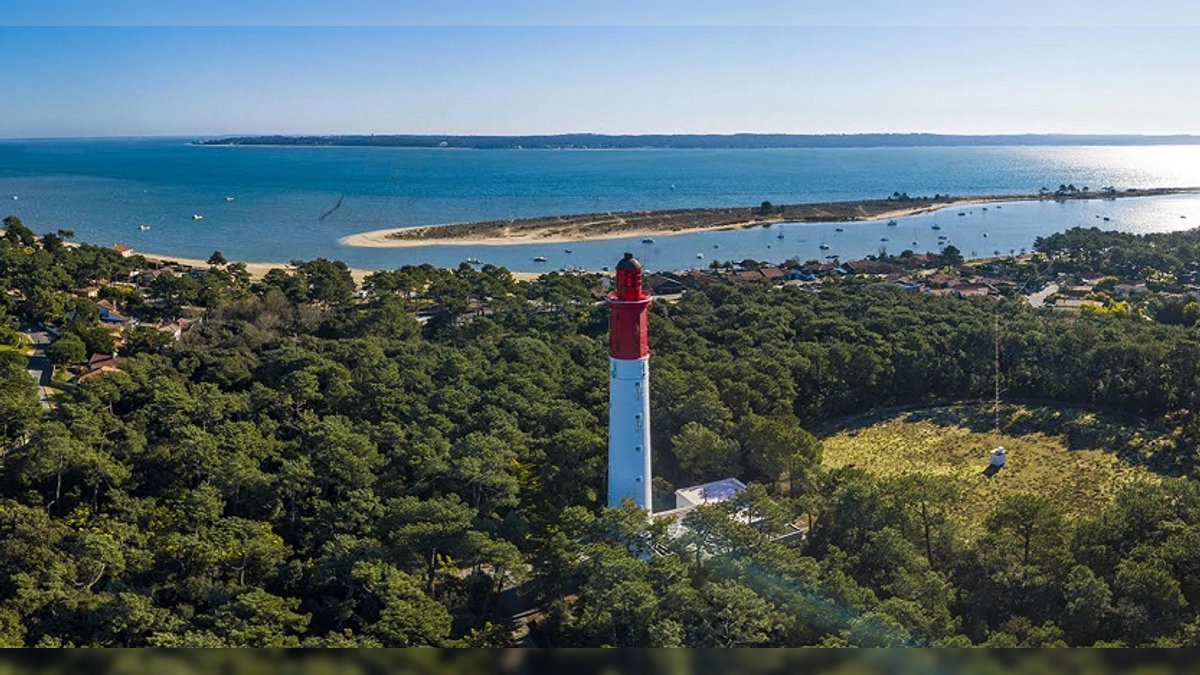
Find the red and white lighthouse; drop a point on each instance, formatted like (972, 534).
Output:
(628, 388)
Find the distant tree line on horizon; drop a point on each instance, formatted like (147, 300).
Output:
(695, 141)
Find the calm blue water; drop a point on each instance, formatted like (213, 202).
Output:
(105, 189)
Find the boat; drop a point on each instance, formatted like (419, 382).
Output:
(540, 258)
(962, 213)
(915, 243)
(779, 237)
(473, 261)
(229, 199)
(824, 247)
(143, 228)
(891, 223)
(647, 240)
(883, 239)
(839, 229)
(985, 234)
(1106, 219)
(566, 250)
(197, 216)
(699, 255)
(935, 226)
(15, 197)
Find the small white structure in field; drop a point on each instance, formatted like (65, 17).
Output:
(998, 456)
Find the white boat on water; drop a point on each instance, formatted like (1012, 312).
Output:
(229, 199)
(143, 228)
(540, 258)
(197, 216)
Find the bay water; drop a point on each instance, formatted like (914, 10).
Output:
(295, 203)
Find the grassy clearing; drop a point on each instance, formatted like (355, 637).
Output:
(1077, 458)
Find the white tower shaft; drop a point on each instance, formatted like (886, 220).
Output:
(629, 431)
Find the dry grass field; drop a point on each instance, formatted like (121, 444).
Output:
(1077, 458)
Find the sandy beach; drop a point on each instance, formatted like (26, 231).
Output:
(258, 270)
(619, 225)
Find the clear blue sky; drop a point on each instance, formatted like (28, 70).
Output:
(101, 69)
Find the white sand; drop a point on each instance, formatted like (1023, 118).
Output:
(259, 269)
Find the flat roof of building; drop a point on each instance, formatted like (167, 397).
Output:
(716, 491)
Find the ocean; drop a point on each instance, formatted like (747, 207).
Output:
(295, 203)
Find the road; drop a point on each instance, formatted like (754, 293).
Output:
(39, 366)
(1036, 299)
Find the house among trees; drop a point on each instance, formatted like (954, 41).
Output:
(97, 364)
(867, 266)
(109, 314)
(743, 276)
(974, 289)
(772, 273)
(1130, 290)
(1076, 292)
(664, 284)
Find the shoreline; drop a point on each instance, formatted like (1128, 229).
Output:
(258, 270)
(626, 224)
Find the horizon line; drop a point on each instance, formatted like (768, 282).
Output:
(564, 134)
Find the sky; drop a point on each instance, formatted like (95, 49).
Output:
(201, 69)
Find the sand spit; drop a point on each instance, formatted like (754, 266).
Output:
(621, 224)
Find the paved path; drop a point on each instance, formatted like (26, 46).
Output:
(1036, 299)
(39, 366)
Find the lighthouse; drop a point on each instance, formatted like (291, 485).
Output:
(628, 388)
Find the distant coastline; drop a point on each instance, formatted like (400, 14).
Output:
(615, 225)
(694, 141)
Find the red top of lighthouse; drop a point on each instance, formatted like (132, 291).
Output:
(628, 305)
